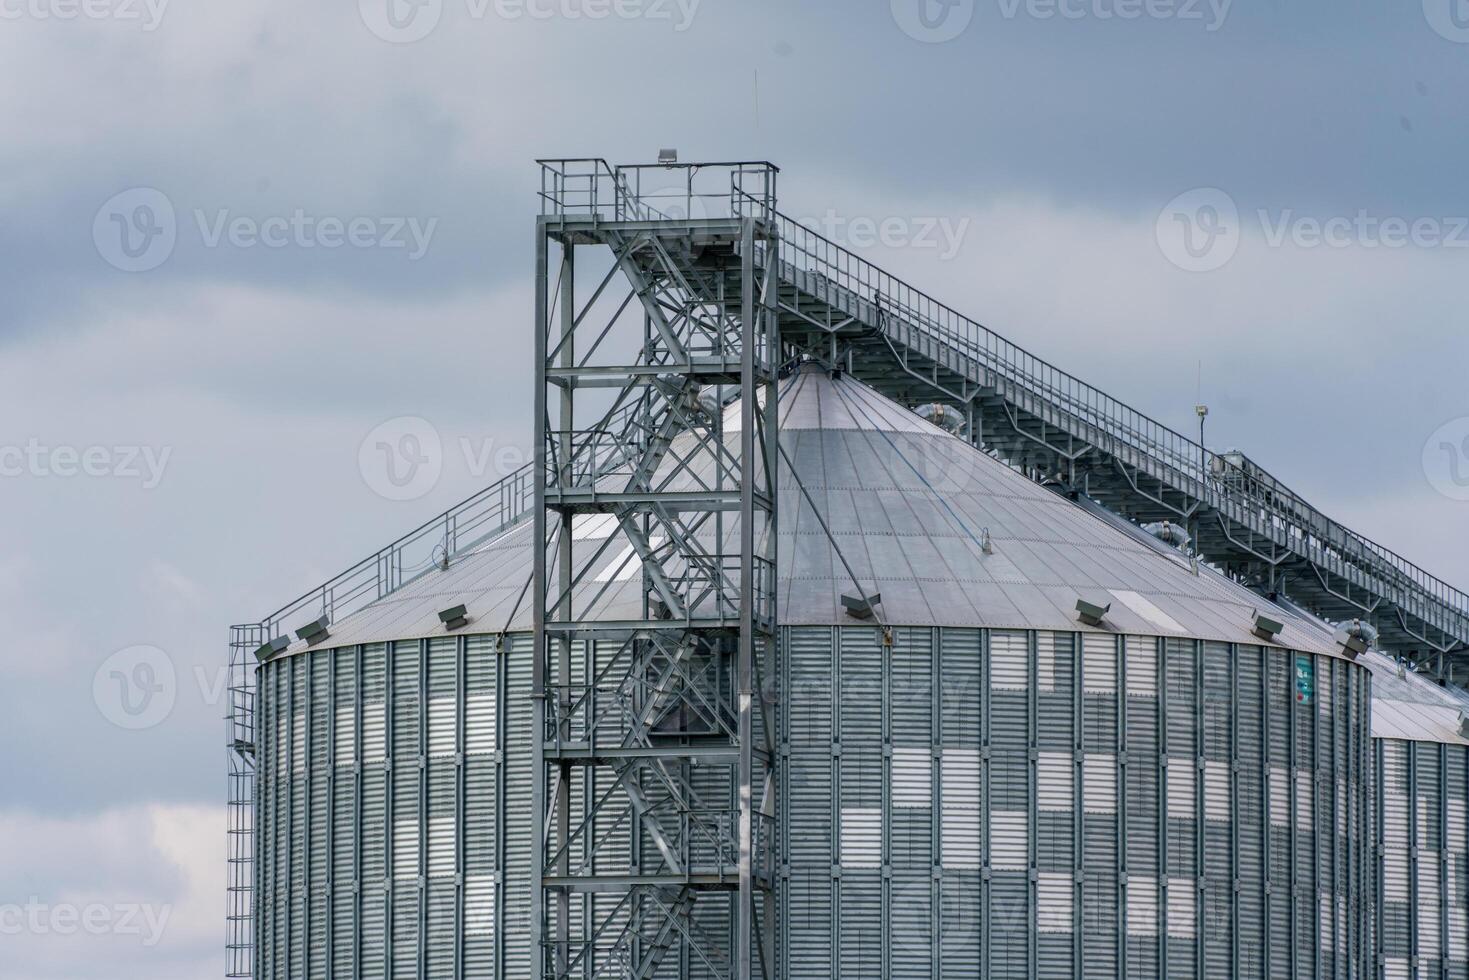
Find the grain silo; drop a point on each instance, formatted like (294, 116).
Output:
(1420, 758)
(861, 691)
(974, 779)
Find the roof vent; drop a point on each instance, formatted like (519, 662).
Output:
(272, 647)
(1168, 533)
(1266, 628)
(1355, 637)
(986, 544)
(1463, 725)
(316, 631)
(1402, 670)
(861, 607)
(453, 617)
(1091, 613)
(943, 416)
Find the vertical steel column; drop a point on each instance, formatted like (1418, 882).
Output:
(390, 801)
(1160, 655)
(836, 797)
(308, 741)
(358, 741)
(291, 856)
(423, 821)
(1078, 801)
(1124, 732)
(1315, 706)
(936, 801)
(501, 654)
(1196, 773)
(538, 606)
(565, 422)
(331, 813)
(885, 843)
(1378, 789)
(1267, 900)
(1441, 817)
(1293, 791)
(461, 800)
(986, 844)
(1119, 855)
(1234, 811)
(744, 662)
(1413, 844)
(1032, 742)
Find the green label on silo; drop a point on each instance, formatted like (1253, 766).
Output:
(1305, 679)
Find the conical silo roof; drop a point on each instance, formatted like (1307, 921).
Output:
(946, 534)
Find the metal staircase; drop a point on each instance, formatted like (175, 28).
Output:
(825, 302)
(669, 740)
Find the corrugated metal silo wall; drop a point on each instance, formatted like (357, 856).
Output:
(1014, 804)
(1421, 803)
(384, 771)
(395, 815)
(964, 802)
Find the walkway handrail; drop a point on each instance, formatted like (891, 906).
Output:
(1208, 473)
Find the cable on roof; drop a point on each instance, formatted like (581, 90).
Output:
(887, 631)
(851, 405)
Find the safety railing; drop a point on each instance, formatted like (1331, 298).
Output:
(820, 265)
(591, 187)
(485, 514)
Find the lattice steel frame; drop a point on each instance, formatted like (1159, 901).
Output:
(674, 685)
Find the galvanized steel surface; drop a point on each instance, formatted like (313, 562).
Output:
(907, 504)
(1022, 803)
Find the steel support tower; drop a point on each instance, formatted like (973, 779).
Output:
(657, 350)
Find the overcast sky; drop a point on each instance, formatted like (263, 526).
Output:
(237, 237)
